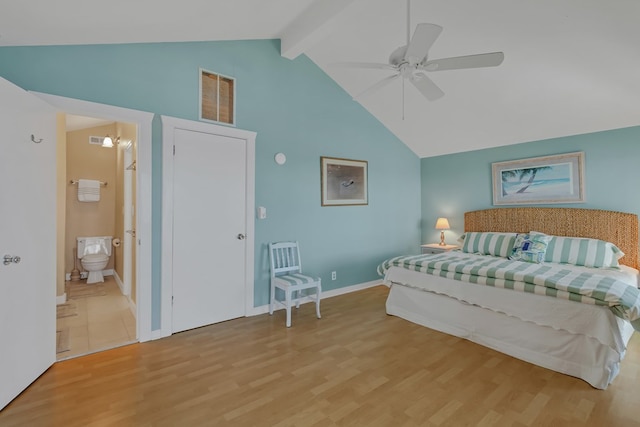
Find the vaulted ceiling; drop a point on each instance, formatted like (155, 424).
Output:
(571, 66)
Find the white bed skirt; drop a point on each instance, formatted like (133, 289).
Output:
(573, 354)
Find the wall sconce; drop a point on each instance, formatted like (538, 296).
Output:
(108, 142)
(442, 224)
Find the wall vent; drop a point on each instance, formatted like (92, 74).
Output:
(96, 140)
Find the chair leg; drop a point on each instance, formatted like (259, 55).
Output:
(318, 302)
(298, 299)
(272, 300)
(288, 303)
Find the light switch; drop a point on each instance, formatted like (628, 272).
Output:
(262, 212)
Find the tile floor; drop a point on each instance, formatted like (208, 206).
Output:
(102, 322)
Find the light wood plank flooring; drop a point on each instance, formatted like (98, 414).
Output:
(356, 366)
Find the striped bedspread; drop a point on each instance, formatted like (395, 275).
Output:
(543, 279)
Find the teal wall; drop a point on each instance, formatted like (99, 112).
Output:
(293, 106)
(457, 183)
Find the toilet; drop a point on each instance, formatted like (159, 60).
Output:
(94, 253)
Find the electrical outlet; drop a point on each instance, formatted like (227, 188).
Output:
(333, 275)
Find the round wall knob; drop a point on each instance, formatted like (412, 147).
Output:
(241, 236)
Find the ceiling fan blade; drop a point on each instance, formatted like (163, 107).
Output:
(469, 61)
(369, 65)
(382, 83)
(427, 87)
(423, 38)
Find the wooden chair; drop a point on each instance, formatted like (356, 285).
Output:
(286, 274)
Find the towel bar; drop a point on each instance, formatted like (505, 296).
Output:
(75, 181)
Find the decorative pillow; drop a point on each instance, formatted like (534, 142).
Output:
(484, 243)
(530, 248)
(583, 251)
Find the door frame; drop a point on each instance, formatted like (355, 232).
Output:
(127, 223)
(143, 120)
(169, 125)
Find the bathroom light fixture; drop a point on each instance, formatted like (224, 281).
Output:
(108, 142)
(442, 224)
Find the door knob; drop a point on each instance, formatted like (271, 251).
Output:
(241, 236)
(8, 259)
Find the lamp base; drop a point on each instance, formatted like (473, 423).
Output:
(442, 243)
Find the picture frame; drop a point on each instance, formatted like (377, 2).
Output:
(343, 182)
(539, 180)
(217, 98)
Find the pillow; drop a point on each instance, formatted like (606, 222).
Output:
(530, 248)
(484, 243)
(582, 251)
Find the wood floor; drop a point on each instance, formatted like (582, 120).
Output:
(355, 367)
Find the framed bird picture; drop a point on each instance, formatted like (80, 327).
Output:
(344, 181)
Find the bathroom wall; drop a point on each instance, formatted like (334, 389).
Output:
(61, 203)
(89, 161)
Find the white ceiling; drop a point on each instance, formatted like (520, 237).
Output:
(83, 122)
(571, 66)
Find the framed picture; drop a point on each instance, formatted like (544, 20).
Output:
(344, 181)
(217, 98)
(539, 180)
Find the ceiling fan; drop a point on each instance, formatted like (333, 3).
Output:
(411, 62)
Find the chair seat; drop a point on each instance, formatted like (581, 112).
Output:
(295, 279)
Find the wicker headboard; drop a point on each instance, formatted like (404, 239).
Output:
(616, 227)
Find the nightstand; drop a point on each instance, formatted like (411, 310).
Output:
(435, 248)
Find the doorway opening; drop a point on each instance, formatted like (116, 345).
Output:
(96, 312)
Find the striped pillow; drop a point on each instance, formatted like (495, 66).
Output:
(496, 244)
(582, 251)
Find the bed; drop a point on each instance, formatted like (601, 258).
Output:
(584, 340)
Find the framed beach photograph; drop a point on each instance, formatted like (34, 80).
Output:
(539, 180)
(344, 181)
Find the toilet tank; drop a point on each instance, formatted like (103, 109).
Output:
(94, 245)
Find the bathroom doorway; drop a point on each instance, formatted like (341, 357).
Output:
(97, 316)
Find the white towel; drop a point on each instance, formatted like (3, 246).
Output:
(88, 190)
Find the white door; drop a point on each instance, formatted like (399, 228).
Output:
(27, 230)
(209, 196)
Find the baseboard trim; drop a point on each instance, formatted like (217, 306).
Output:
(61, 299)
(118, 281)
(325, 294)
(84, 274)
(157, 334)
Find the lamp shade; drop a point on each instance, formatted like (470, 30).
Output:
(107, 142)
(442, 224)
